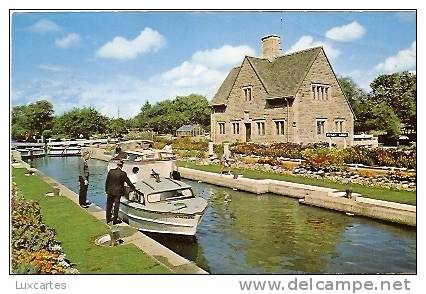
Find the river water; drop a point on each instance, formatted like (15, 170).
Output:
(244, 233)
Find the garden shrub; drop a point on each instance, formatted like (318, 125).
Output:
(249, 160)
(268, 160)
(323, 159)
(34, 248)
(288, 165)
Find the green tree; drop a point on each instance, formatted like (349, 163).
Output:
(360, 103)
(20, 122)
(397, 90)
(32, 119)
(85, 121)
(40, 116)
(117, 127)
(168, 115)
(385, 119)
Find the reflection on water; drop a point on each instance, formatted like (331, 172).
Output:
(247, 233)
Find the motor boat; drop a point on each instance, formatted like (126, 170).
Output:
(68, 148)
(167, 206)
(147, 160)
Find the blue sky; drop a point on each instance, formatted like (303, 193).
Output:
(120, 60)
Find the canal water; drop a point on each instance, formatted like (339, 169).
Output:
(244, 233)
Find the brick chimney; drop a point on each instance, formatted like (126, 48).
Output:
(271, 47)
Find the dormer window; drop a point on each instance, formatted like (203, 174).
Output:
(247, 92)
(320, 91)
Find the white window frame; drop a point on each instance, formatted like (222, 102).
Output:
(247, 93)
(261, 126)
(236, 127)
(321, 131)
(279, 127)
(320, 91)
(221, 128)
(338, 125)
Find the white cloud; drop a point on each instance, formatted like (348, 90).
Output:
(206, 68)
(221, 57)
(129, 93)
(51, 67)
(403, 60)
(346, 33)
(68, 40)
(148, 40)
(44, 26)
(306, 42)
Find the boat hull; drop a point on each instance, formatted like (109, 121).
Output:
(159, 222)
(63, 152)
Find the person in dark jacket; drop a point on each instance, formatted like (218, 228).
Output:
(84, 179)
(114, 188)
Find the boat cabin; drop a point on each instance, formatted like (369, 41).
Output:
(164, 190)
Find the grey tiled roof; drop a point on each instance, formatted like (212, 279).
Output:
(281, 78)
(186, 128)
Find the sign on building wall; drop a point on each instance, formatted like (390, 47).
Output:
(336, 135)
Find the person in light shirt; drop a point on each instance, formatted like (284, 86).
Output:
(134, 176)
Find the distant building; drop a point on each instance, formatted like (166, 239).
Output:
(366, 140)
(281, 98)
(190, 131)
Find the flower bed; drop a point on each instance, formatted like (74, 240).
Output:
(317, 155)
(34, 248)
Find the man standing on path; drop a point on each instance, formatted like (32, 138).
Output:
(84, 179)
(114, 188)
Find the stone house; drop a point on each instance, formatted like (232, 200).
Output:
(281, 98)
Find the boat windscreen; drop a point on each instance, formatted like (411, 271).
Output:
(170, 195)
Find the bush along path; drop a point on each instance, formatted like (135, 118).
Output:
(61, 227)
(34, 247)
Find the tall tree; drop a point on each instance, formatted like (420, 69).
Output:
(168, 115)
(117, 127)
(80, 121)
(360, 102)
(397, 90)
(32, 119)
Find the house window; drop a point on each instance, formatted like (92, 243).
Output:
(261, 128)
(320, 126)
(320, 91)
(279, 126)
(236, 128)
(247, 91)
(338, 125)
(222, 128)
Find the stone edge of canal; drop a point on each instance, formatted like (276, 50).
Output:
(327, 198)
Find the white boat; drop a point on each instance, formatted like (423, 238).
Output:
(147, 160)
(168, 206)
(29, 150)
(63, 149)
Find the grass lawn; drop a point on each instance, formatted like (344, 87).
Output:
(370, 192)
(76, 229)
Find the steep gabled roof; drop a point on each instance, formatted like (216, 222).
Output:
(281, 77)
(222, 94)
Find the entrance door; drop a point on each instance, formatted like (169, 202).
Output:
(248, 132)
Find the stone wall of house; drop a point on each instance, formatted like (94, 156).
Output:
(300, 127)
(248, 112)
(308, 109)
